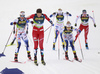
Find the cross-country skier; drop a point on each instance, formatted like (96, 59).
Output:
(38, 33)
(84, 25)
(68, 38)
(20, 23)
(59, 25)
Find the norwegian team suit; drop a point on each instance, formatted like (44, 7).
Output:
(38, 32)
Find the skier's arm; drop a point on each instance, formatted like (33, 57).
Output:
(48, 19)
(68, 14)
(77, 19)
(31, 16)
(93, 21)
(53, 14)
(27, 28)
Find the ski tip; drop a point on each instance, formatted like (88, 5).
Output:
(18, 62)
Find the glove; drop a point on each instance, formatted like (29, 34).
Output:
(14, 32)
(51, 23)
(51, 15)
(27, 21)
(54, 13)
(14, 23)
(27, 32)
(94, 25)
(11, 23)
(75, 24)
(67, 12)
(32, 22)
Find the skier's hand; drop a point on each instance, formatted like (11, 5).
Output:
(14, 23)
(32, 22)
(94, 25)
(54, 13)
(78, 31)
(75, 24)
(11, 23)
(51, 23)
(67, 12)
(27, 32)
(13, 31)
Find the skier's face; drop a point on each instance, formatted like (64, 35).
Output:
(22, 16)
(84, 13)
(39, 14)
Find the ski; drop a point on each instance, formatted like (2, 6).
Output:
(80, 60)
(30, 60)
(18, 62)
(69, 60)
(10, 45)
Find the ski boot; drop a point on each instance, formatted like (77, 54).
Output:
(42, 61)
(75, 57)
(29, 56)
(66, 56)
(16, 57)
(53, 46)
(63, 47)
(35, 61)
(86, 45)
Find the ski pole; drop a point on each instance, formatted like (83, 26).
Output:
(49, 35)
(93, 14)
(58, 46)
(7, 42)
(80, 48)
(48, 28)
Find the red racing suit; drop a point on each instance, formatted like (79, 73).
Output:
(84, 25)
(38, 31)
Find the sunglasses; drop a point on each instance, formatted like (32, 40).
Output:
(22, 15)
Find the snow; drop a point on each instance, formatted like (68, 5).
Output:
(9, 10)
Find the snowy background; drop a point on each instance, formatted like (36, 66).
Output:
(10, 9)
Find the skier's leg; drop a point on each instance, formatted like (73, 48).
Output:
(18, 47)
(66, 50)
(62, 41)
(73, 49)
(86, 30)
(35, 39)
(25, 39)
(55, 39)
(41, 40)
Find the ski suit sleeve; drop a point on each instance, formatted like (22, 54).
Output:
(31, 16)
(68, 14)
(54, 14)
(48, 19)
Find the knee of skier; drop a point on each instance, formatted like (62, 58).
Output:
(19, 44)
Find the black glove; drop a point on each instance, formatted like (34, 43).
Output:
(94, 25)
(67, 12)
(32, 22)
(14, 23)
(75, 24)
(14, 32)
(54, 13)
(27, 32)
